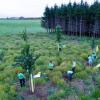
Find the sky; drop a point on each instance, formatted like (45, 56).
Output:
(29, 8)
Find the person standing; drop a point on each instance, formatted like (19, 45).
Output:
(50, 65)
(94, 56)
(21, 78)
(90, 60)
(74, 66)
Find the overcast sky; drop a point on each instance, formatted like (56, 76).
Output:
(29, 8)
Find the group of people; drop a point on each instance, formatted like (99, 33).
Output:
(91, 58)
(69, 74)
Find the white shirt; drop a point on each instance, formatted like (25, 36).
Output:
(74, 64)
(69, 72)
(90, 58)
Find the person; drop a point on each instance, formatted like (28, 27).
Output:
(69, 75)
(90, 60)
(74, 66)
(93, 56)
(51, 65)
(21, 78)
(65, 76)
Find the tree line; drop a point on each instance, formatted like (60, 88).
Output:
(75, 19)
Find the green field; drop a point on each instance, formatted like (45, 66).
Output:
(55, 87)
(17, 26)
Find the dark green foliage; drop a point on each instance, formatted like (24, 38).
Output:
(93, 44)
(84, 98)
(96, 94)
(72, 18)
(1, 55)
(24, 36)
(26, 59)
(26, 49)
(58, 32)
(19, 98)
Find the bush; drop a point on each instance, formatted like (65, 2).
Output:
(13, 91)
(4, 96)
(57, 73)
(55, 79)
(2, 68)
(57, 96)
(82, 75)
(89, 70)
(78, 69)
(19, 70)
(41, 68)
(1, 55)
(61, 83)
(39, 81)
(98, 79)
(61, 69)
(85, 98)
(2, 76)
(96, 94)
(84, 56)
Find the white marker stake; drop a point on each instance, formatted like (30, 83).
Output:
(32, 87)
(58, 46)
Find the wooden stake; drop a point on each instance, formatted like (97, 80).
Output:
(32, 86)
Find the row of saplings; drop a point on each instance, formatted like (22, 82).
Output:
(27, 61)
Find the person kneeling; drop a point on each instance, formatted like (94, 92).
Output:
(69, 75)
(50, 66)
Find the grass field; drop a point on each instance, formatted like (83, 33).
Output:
(55, 87)
(17, 26)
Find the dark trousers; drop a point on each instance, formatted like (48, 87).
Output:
(73, 69)
(22, 82)
(69, 77)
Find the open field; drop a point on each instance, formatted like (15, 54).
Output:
(44, 44)
(53, 88)
(17, 26)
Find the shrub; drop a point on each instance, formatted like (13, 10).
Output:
(39, 81)
(85, 98)
(55, 79)
(1, 55)
(4, 96)
(2, 68)
(13, 90)
(61, 83)
(2, 76)
(49, 73)
(78, 69)
(1, 88)
(60, 94)
(98, 80)
(84, 56)
(57, 73)
(61, 69)
(19, 70)
(41, 68)
(40, 61)
(82, 75)
(88, 70)
(96, 94)
(59, 60)
(57, 96)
